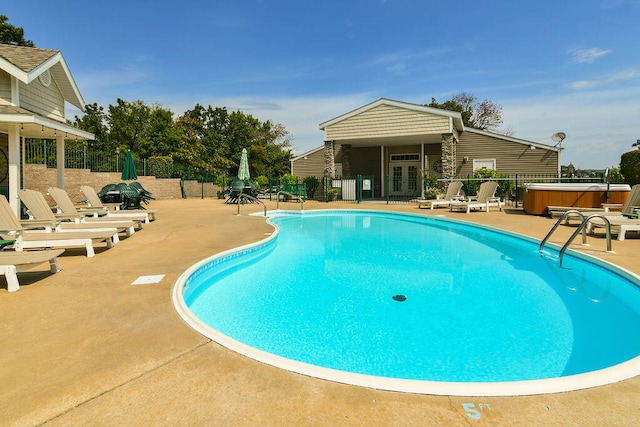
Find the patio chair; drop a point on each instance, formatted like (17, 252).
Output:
(238, 187)
(39, 210)
(11, 228)
(12, 262)
(65, 205)
(619, 225)
(94, 201)
(624, 220)
(453, 193)
(483, 200)
(146, 195)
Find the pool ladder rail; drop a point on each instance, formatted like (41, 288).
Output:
(285, 193)
(252, 200)
(581, 228)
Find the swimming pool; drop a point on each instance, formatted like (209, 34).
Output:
(413, 303)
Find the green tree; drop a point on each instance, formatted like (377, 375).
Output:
(630, 167)
(217, 137)
(10, 34)
(128, 125)
(483, 115)
(94, 120)
(162, 135)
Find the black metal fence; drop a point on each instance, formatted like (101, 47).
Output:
(78, 155)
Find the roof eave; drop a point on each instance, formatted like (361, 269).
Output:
(512, 139)
(457, 117)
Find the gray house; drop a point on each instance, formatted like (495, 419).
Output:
(405, 141)
(35, 86)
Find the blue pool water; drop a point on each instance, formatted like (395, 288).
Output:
(480, 305)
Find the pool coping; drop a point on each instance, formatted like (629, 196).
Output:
(610, 375)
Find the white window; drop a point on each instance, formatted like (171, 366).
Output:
(484, 164)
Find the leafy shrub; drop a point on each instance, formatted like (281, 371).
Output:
(160, 166)
(261, 181)
(630, 167)
(288, 179)
(616, 176)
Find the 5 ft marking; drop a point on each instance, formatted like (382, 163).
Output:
(475, 412)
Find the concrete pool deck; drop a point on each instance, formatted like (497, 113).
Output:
(86, 347)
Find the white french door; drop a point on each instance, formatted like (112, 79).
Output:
(404, 178)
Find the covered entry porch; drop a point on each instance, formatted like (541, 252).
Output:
(396, 142)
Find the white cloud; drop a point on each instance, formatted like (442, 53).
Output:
(300, 115)
(583, 84)
(600, 124)
(581, 56)
(605, 80)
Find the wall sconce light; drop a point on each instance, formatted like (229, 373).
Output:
(465, 159)
(532, 147)
(21, 127)
(55, 132)
(42, 130)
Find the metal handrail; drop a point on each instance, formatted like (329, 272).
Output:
(581, 228)
(562, 217)
(252, 199)
(300, 199)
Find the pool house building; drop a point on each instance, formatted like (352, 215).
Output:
(396, 143)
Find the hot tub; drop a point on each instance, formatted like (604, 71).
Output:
(536, 197)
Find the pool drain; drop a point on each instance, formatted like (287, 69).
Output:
(399, 297)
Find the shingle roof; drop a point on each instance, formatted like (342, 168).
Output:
(28, 63)
(25, 58)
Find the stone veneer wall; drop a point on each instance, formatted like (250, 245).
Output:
(40, 178)
(448, 156)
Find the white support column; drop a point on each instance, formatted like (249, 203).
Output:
(60, 160)
(14, 166)
(382, 174)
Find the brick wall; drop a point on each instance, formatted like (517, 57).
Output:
(40, 178)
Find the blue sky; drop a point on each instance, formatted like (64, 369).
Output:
(570, 66)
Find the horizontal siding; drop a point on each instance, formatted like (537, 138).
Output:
(313, 165)
(386, 121)
(5, 88)
(46, 101)
(511, 157)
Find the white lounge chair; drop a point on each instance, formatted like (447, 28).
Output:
(94, 201)
(39, 209)
(621, 221)
(483, 200)
(65, 206)
(453, 192)
(12, 262)
(11, 228)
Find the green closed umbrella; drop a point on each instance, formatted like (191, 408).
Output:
(129, 169)
(243, 170)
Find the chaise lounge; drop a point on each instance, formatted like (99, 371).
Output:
(12, 262)
(94, 201)
(484, 199)
(65, 205)
(453, 192)
(39, 209)
(11, 228)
